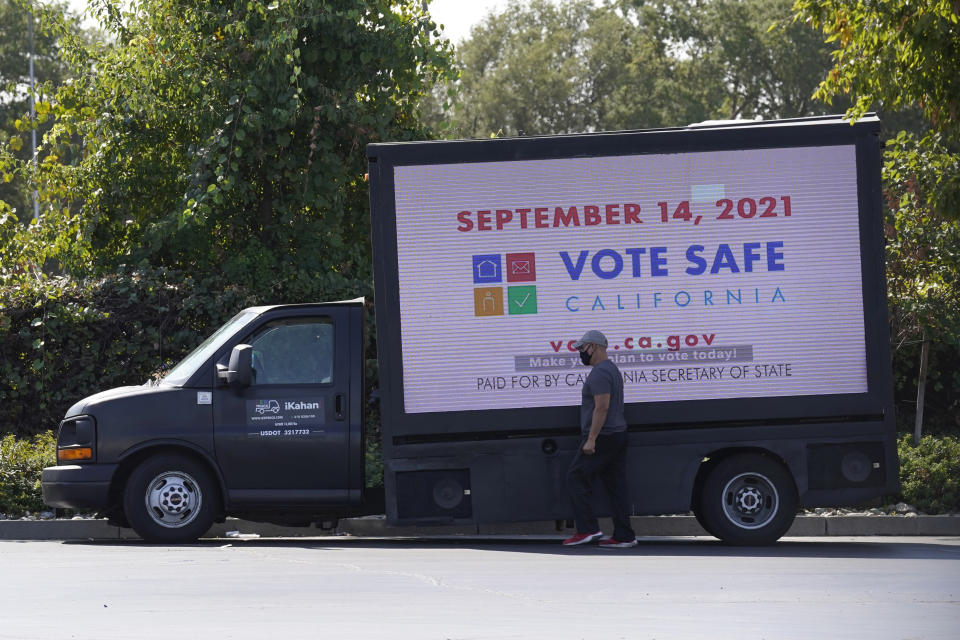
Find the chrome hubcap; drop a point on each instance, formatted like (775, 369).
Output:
(173, 499)
(750, 500)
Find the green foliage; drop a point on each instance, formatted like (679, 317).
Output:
(63, 339)
(229, 137)
(900, 54)
(542, 67)
(373, 455)
(923, 272)
(930, 473)
(15, 120)
(897, 52)
(942, 395)
(21, 464)
(748, 58)
(373, 459)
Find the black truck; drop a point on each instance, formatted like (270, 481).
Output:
(736, 268)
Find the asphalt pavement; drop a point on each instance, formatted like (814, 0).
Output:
(522, 588)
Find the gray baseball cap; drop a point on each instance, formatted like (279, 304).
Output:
(591, 337)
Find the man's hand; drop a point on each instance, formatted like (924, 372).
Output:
(590, 446)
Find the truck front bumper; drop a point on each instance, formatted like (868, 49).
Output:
(78, 486)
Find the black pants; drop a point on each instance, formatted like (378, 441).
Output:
(609, 463)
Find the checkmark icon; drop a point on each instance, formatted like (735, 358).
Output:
(522, 300)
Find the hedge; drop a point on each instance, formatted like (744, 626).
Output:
(930, 473)
(63, 339)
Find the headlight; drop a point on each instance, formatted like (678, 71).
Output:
(76, 440)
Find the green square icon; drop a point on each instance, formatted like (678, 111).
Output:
(522, 300)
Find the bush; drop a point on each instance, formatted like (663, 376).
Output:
(21, 463)
(930, 473)
(62, 339)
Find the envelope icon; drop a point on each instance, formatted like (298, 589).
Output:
(521, 267)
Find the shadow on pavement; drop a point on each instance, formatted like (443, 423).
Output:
(872, 548)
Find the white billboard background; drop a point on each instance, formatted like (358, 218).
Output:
(793, 332)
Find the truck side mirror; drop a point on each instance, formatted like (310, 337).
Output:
(240, 372)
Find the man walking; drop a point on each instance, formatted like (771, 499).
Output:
(603, 449)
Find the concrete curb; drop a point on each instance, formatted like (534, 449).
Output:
(375, 526)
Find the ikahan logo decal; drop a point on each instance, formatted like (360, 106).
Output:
(284, 417)
(300, 406)
(267, 406)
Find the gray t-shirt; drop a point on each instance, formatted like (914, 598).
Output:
(605, 377)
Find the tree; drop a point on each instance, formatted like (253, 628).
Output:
(543, 68)
(753, 60)
(49, 73)
(523, 71)
(228, 137)
(898, 54)
(906, 54)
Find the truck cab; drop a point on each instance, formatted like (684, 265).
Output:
(265, 419)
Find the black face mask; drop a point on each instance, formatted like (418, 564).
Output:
(585, 358)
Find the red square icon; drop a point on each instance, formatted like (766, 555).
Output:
(521, 267)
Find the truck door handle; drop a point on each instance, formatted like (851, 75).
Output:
(339, 404)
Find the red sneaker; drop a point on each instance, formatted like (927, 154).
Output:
(610, 543)
(582, 538)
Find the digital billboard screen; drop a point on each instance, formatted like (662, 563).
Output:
(720, 274)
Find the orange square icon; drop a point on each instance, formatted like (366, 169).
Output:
(488, 301)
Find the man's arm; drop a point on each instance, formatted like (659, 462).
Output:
(601, 404)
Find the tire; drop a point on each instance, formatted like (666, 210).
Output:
(170, 499)
(748, 499)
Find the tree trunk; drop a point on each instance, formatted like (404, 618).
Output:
(921, 388)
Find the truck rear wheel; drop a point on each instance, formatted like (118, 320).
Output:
(170, 499)
(748, 499)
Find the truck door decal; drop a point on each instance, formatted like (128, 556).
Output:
(285, 417)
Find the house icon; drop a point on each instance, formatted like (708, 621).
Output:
(487, 268)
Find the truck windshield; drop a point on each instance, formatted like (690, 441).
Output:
(189, 365)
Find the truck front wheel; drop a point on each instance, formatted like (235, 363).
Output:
(748, 499)
(170, 499)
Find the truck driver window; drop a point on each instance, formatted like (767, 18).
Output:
(294, 351)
